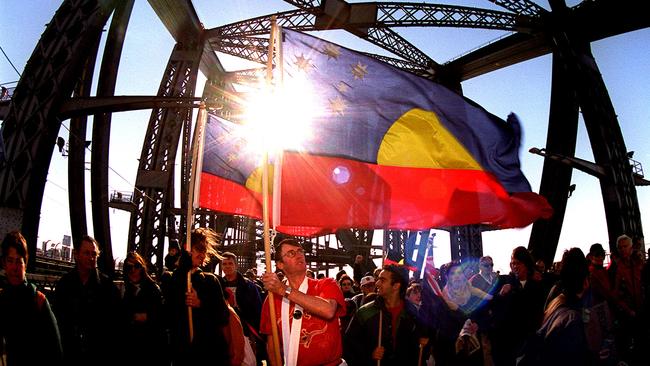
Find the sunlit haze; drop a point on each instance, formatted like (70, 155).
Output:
(279, 117)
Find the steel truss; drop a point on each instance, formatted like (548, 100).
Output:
(32, 124)
(154, 188)
(370, 21)
(65, 58)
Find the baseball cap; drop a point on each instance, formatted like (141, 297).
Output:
(366, 280)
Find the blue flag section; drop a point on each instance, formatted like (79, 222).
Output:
(373, 112)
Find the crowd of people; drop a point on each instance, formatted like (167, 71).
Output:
(578, 313)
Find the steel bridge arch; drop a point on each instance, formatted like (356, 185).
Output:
(62, 63)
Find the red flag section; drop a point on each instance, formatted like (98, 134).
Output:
(322, 194)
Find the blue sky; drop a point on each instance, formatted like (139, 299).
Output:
(624, 62)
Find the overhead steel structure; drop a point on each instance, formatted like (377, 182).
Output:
(57, 80)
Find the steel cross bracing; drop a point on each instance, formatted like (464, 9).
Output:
(249, 48)
(389, 40)
(523, 7)
(235, 39)
(248, 76)
(385, 38)
(304, 3)
(154, 191)
(216, 100)
(407, 15)
(394, 241)
(256, 50)
(223, 100)
(466, 242)
(387, 15)
(293, 19)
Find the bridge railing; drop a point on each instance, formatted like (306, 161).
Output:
(637, 168)
(121, 197)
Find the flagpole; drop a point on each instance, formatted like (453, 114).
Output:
(195, 178)
(424, 262)
(265, 206)
(277, 164)
(381, 320)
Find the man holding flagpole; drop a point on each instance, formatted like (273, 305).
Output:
(307, 311)
(385, 331)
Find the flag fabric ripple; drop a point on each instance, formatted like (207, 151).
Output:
(388, 150)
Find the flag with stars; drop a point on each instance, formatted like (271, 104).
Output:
(389, 150)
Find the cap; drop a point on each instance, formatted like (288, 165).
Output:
(597, 249)
(366, 280)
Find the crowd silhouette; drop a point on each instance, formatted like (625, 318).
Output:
(577, 312)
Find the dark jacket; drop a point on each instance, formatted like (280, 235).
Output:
(248, 301)
(208, 344)
(361, 336)
(517, 315)
(88, 317)
(143, 340)
(29, 327)
(560, 340)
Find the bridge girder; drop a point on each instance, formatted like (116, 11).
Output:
(370, 21)
(33, 117)
(154, 187)
(32, 122)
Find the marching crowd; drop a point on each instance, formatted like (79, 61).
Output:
(578, 313)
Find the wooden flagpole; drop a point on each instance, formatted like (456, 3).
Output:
(265, 204)
(420, 354)
(195, 178)
(277, 163)
(381, 321)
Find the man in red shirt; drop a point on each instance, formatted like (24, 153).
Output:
(307, 311)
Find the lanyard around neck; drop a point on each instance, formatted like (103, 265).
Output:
(291, 334)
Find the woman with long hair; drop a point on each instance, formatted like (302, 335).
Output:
(142, 309)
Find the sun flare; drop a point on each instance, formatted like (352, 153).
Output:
(279, 118)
